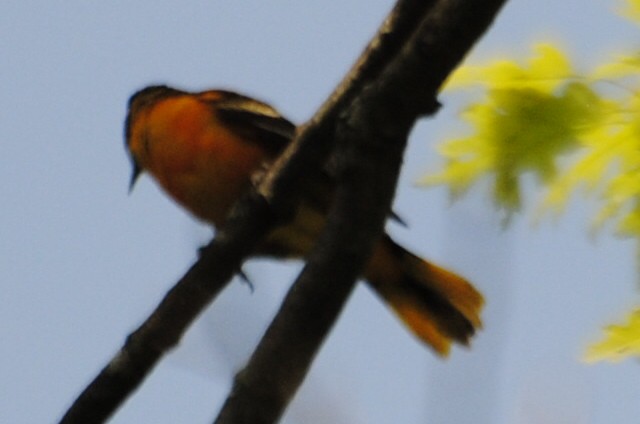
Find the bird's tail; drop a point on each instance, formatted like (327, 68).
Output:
(439, 306)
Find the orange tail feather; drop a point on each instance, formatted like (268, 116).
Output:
(439, 306)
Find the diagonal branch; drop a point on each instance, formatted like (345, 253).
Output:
(370, 115)
(316, 137)
(251, 220)
(370, 130)
(179, 308)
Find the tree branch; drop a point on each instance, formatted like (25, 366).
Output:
(346, 118)
(179, 308)
(250, 221)
(371, 132)
(316, 137)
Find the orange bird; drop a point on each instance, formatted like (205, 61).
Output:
(203, 148)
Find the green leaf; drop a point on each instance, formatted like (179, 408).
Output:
(529, 116)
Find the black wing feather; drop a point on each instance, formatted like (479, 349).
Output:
(256, 121)
(261, 123)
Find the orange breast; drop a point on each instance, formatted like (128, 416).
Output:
(199, 162)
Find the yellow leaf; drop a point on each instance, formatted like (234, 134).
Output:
(630, 224)
(631, 10)
(622, 66)
(544, 71)
(532, 115)
(621, 341)
(550, 63)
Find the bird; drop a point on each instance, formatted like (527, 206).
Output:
(204, 149)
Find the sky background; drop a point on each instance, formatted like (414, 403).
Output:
(82, 263)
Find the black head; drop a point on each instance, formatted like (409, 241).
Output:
(139, 101)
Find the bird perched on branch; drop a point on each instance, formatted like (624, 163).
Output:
(203, 149)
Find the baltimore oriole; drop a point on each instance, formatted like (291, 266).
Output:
(203, 148)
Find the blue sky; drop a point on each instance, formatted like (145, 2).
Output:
(82, 263)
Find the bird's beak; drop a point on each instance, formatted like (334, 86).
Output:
(136, 171)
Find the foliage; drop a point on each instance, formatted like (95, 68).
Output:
(620, 342)
(573, 131)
